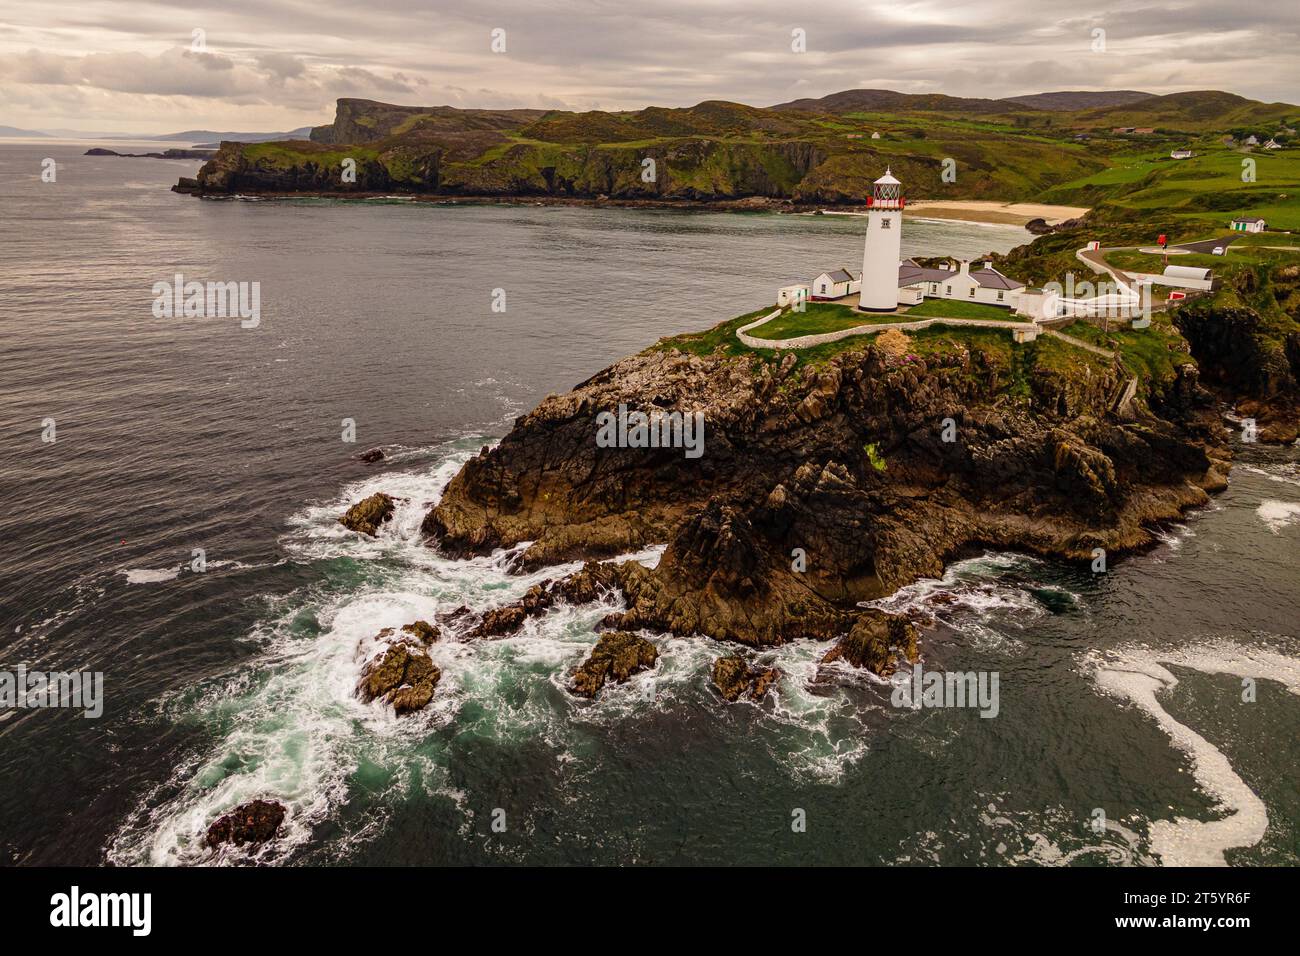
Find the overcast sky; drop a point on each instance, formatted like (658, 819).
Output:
(123, 66)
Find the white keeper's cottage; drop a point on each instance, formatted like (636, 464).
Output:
(1248, 224)
(834, 285)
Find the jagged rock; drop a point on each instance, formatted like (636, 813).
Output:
(367, 515)
(873, 642)
(371, 456)
(402, 676)
(617, 656)
(252, 823)
(734, 677)
(582, 587)
(425, 632)
(501, 621)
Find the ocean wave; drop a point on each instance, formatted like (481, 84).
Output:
(989, 598)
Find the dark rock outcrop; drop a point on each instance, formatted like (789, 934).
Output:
(371, 456)
(875, 643)
(734, 677)
(252, 823)
(617, 656)
(402, 675)
(367, 515)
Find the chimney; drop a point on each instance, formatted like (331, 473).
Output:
(965, 267)
(988, 264)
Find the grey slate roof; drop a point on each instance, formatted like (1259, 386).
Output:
(840, 275)
(909, 273)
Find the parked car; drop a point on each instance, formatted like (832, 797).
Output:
(1218, 251)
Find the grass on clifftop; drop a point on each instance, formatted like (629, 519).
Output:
(957, 309)
(815, 319)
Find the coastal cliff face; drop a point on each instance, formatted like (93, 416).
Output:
(712, 152)
(1247, 341)
(824, 484)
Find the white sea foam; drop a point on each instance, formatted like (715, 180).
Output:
(295, 730)
(150, 575)
(1278, 514)
(988, 598)
(1138, 674)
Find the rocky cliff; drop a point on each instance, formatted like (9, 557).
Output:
(826, 483)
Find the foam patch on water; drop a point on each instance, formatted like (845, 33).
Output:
(1023, 838)
(1138, 674)
(1278, 514)
(150, 575)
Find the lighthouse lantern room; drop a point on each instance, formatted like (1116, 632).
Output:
(881, 255)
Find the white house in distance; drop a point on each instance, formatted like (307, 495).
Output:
(1181, 154)
(1272, 144)
(1248, 224)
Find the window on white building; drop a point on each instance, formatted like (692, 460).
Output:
(999, 296)
(947, 290)
(884, 223)
(972, 292)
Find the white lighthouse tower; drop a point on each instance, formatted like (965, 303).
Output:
(883, 248)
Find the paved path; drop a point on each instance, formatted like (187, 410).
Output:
(807, 341)
(1206, 246)
(1080, 343)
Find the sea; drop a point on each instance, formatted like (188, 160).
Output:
(169, 495)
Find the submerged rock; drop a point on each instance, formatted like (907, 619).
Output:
(252, 823)
(617, 656)
(367, 515)
(403, 676)
(734, 677)
(371, 456)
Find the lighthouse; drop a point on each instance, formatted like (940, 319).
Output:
(883, 248)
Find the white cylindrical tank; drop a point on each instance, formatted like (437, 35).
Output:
(883, 248)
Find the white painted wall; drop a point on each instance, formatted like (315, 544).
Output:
(881, 253)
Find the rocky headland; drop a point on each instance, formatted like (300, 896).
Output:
(826, 483)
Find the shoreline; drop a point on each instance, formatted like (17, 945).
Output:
(989, 213)
(984, 211)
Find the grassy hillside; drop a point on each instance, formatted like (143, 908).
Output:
(824, 151)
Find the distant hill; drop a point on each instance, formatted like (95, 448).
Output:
(210, 136)
(816, 151)
(15, 131)
(1079, 99)
(1199, 109)
(889, 101)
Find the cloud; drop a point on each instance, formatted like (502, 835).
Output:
(268, 64)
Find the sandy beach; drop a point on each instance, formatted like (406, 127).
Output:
(1015, 213)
